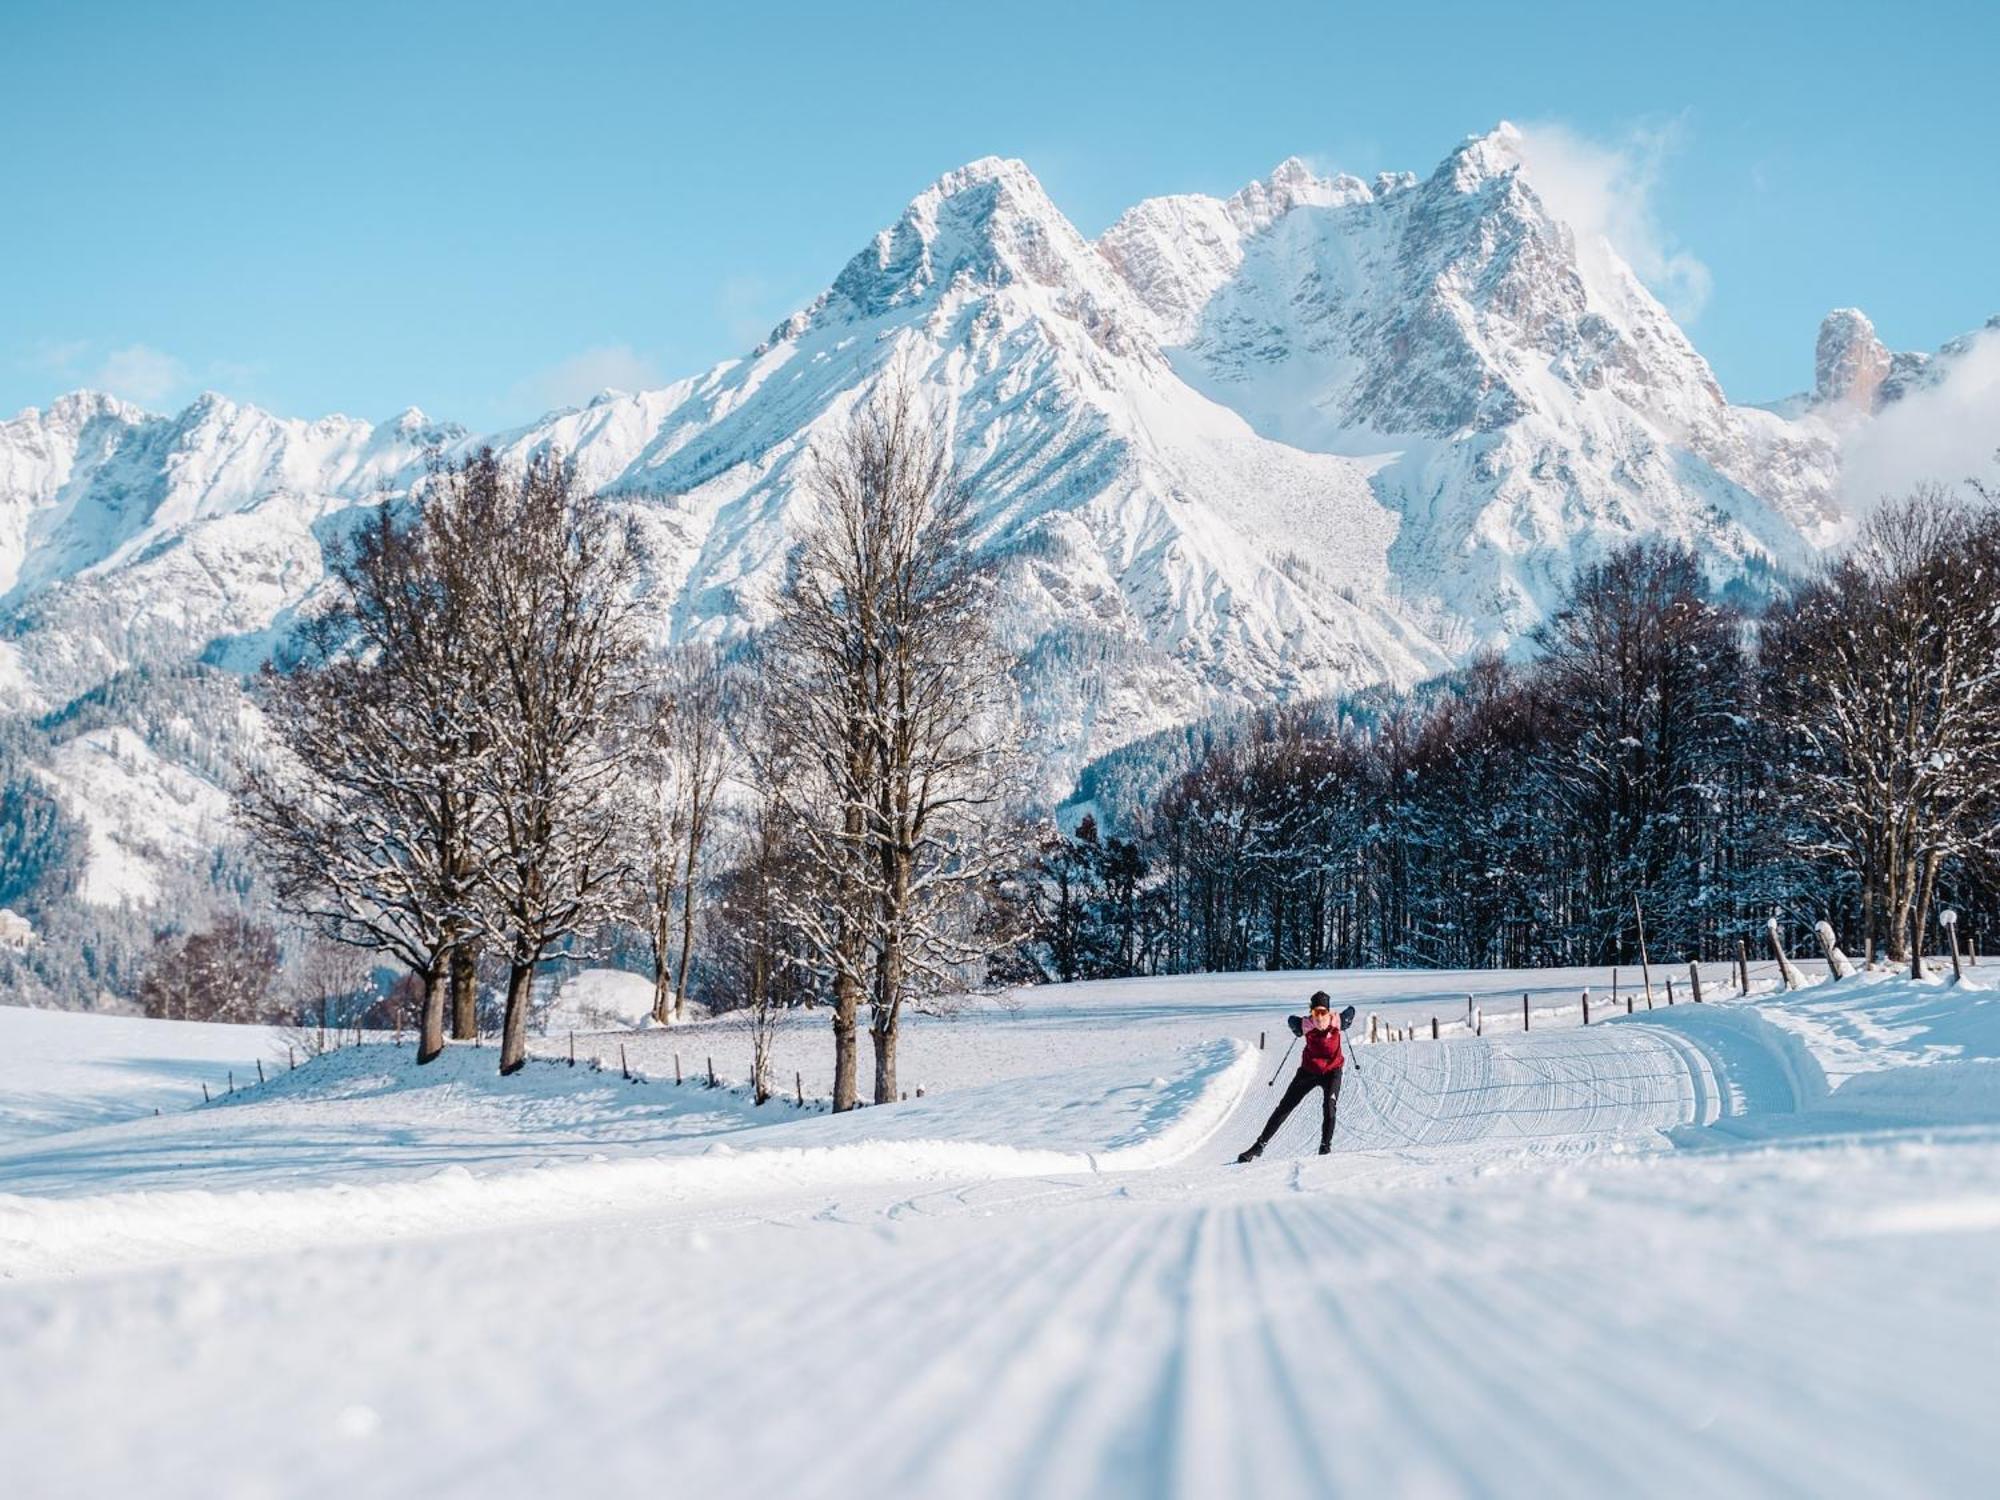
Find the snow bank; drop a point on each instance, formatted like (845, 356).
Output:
(1060, 1125)
(1882, 1049)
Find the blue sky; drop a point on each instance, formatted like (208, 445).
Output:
(488, 209)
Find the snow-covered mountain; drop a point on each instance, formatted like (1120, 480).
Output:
(1319, 435)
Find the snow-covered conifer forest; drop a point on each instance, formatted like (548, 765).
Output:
(730, 938)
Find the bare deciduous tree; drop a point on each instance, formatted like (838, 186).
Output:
(890, 706)
(1885, 672)
(758, 961)
(365, 814)
(557, 623)
(685, 756)
(227, 972)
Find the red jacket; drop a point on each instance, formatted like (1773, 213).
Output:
(1323, 1050)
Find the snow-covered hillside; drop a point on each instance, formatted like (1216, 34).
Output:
(1320, 435)
(1743, 1246)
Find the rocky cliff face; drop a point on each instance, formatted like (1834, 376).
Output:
(1849, 362)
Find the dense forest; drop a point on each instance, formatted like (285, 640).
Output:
(1654, 755)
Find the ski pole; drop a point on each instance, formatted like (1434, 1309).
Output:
(1281, 1063)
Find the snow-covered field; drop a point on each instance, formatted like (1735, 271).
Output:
(1745, 1247)
(61, 1071)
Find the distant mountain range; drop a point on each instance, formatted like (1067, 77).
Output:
(1320, 435)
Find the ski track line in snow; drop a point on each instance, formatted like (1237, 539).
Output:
(1174, 1349)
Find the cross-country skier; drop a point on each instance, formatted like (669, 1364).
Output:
(1319, 1068)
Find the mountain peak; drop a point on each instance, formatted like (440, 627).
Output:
(987, 221)
(74, 408)
(1482, 158)
(1008, 170)
(1293, 184)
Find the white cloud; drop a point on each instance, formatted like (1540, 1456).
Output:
(1605, 193)
(141, 373)
(573, 382)
(1945, 433)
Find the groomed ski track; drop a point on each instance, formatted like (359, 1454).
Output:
(1504, 1280)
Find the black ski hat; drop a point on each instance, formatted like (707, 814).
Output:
(1320, 1001)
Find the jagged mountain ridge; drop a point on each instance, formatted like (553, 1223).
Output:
(1320, 435)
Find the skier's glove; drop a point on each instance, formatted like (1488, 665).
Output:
(1297, 1024)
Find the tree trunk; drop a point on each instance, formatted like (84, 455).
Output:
(663, 991)
(846, 1008)
(882, 1032)
(1920, 917)
(889, 971)
(760, 1032)
(431, 1040)
(514, 1030)
(465, 991)
(687, 937)
(885, 1061)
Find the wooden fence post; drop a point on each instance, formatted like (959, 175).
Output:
(232, 1080)
(204, 1093)
(1260, 1041)
(1670, 989)
(1586, 1007)
(799, 1085)
(1948, 920)
(1787, 975)
(1742, 967)
(1628, 1002)
(572, 1049)
(1524, 1011)
(1434, 1028)
(1373, 1025)
(1645, 965)
(711, 1072)
(677, 1070)
(623, 1070)
(1478, 1022)
(1694, 979)
(260, 1072)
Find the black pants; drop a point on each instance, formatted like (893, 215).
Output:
(1304, 1083)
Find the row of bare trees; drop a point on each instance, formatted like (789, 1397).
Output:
(477, 756)
(452, 734)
